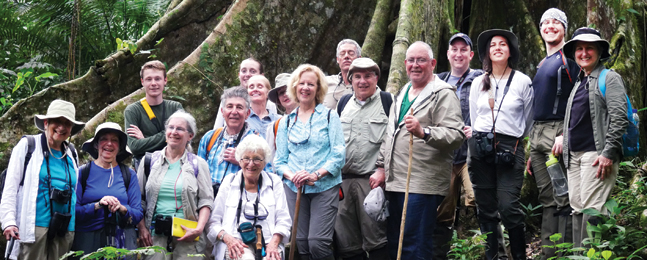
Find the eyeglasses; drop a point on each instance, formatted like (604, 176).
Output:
(417, 60)
(178, 129)
(292, 127)
(255, 160)
(249, 211)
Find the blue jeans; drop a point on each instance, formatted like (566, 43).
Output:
(419, 225)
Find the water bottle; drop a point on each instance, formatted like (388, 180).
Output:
(634, 112)
(557, 176)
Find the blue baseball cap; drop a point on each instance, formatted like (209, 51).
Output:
(463, 36)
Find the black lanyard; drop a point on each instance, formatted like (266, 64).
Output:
(460, 80)
(222, 134)
(68, 177)
(505, 91)
(240, 200)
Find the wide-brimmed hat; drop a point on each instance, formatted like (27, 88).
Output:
(60, 108)
(280, 81)
(586, 34)
(376, 205)
(108, 127)
(486, 36)
(363, 64)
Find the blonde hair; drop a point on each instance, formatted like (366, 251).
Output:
(322, 85)
(153, 65)
(263, 79)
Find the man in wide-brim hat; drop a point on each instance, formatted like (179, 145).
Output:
(41, 187)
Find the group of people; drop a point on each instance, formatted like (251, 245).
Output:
(340, 144)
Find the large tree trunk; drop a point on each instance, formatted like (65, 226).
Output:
(285, 33)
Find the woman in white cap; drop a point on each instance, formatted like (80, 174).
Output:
(595, 121)
(39, 194)
(108, 198)
(501, 116)
(175, 186)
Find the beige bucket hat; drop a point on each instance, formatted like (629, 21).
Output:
(60, 108)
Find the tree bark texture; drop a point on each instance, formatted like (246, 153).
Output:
(373, 45)
(285, 33)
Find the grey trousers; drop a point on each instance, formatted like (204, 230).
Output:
(317, 214)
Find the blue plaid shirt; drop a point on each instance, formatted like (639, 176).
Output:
(311, 146)
(218, 167)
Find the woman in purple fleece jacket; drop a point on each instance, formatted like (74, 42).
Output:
(102, 192)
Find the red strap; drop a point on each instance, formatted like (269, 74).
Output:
(566, 66)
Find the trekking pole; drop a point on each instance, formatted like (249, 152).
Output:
(406, 194)
(10, 248)
(259, 243)
(293, 236)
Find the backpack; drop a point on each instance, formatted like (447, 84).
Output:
(31, 145)
(630, 142)
(384, 96)
(213, 139)
(85, 173)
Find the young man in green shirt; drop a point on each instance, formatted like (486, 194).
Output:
(144, 120)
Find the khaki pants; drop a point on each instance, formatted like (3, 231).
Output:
(181, 249)
(586, 190)
(542, 138)
(355, 231)
(44, 249)
(447, 209)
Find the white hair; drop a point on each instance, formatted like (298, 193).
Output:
(253, 143)
(358, 49)
(430, 52)
(191, 126)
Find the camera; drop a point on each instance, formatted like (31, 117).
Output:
(60, 196)
(58, 225)
(162, 225)
(505, 157)
(484, 144)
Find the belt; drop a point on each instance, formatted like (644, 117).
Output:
(355, 176)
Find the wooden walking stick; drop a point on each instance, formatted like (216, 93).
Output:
(406, 194)
(293, 236)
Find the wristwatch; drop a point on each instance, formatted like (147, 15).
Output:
(220, 237)
(318, 174)
(427, 133)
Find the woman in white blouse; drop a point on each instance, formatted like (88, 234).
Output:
(501, 116)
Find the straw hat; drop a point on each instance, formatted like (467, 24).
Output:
(486, 36)
(60, 108)
(586, 34)
(90, 146)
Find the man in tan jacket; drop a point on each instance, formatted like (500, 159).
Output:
(436, 125)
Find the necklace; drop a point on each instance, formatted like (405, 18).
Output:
(52, 154)
(112, 176)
